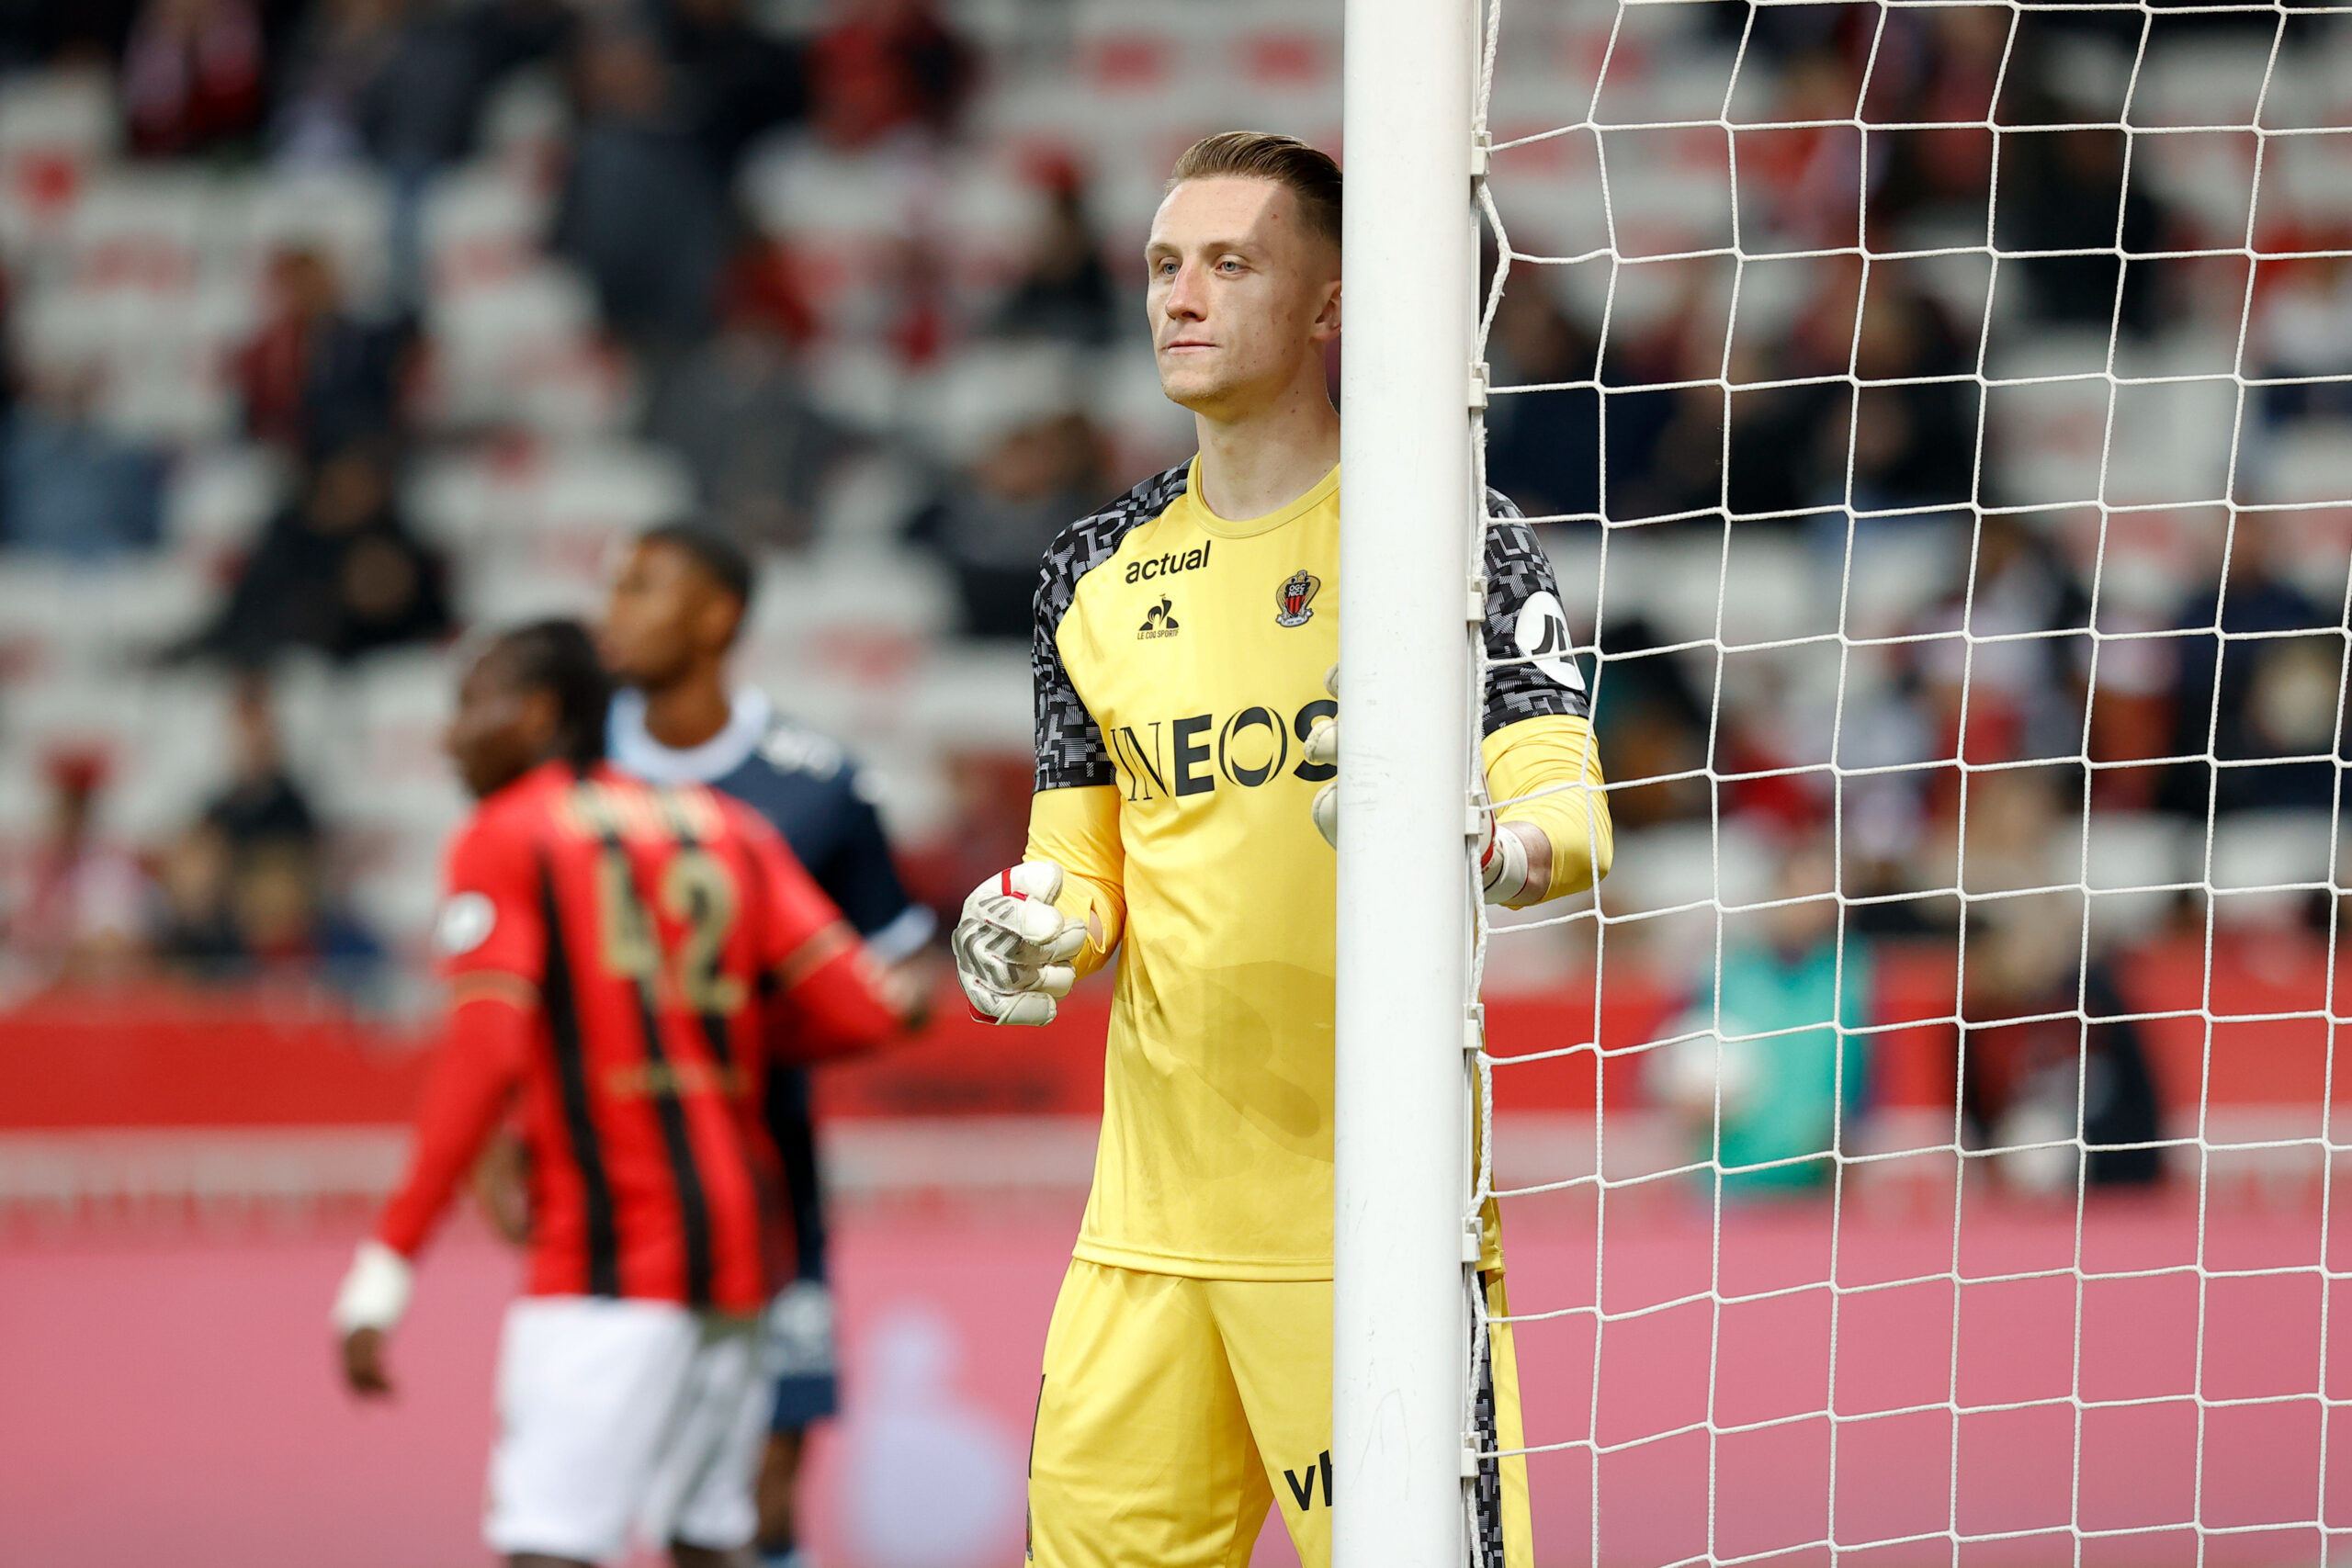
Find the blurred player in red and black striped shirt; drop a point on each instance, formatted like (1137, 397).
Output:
(624, 959)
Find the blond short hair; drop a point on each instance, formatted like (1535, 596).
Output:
(1308, 172)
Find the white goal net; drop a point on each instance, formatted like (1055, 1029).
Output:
(1941, 419)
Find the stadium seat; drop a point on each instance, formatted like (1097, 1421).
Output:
(2208, 80)
(539, 521)
(2048, 436)
(181, 752)
(522, 354)
(1685, 868)
(855, 384)
(2132, 856)
(143, 232)
(2255, 852)
(987, 216)
(2207, 176)
(401, 698)
(1675, 583)
(2306, 187)
(2308, 472)
(974, 698)
(849, 219)
(344, 212)
(482, 227)
(56, 127)
(219, 499)
(1688, 83)
(1148, 432)
(2172, 441)
(961, 412)
(1898, 566)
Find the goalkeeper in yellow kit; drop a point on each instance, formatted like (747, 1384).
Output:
(1185, 740)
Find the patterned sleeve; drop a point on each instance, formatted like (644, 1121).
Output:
(1070, 749)
(1070, 752)
(1531, 672)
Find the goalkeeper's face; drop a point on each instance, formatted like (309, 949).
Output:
(1243, 296)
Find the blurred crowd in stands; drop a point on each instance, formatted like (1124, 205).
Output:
(857, 281)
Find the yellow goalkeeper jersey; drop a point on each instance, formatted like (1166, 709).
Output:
(1179, 661)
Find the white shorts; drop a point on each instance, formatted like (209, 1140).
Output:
(612, 1413)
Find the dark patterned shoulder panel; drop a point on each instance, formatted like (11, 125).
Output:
(1070, 752)
(1526, 623)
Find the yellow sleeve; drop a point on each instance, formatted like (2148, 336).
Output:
(1553, 760)
(1077, 830)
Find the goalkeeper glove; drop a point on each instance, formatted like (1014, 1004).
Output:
(1014, 948)
(1502, 857)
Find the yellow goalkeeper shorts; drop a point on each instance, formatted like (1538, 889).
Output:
(1174, 1410)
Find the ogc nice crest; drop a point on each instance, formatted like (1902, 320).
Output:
(1291, 601)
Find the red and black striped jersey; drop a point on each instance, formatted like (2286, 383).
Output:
(628, 956)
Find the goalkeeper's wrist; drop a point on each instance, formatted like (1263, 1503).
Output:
(1503, 865)
(376, 1291)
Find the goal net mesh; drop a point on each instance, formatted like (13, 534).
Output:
(1939, 417)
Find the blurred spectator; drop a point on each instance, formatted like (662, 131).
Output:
(1761, 1079)
(1665, 440)
(336, 61)
(1999, 680)
(192, 933)
(642, 212)
(402, 81)
(69, 485)
(339, 571)
(81, 910)
(762, 287)
(2021, 832)
(1035, 463)
(1938, 68)
(244, 884)
(192, 77)
(738, 80)
(1066, 293)
(314, 377)
(262, 805)
(71, 33)
(887, 66)
(2305, 334)
(2064, 190)
(992, 526)
(282, 925)
(2034, 1074)
(1652, 728)
(1909, 445)
(1543, 448)
(1886, 446)
(987, 821)
(737, 411)
(1811, 176)
(2251, 693)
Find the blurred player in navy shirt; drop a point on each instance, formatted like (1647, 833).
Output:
(675, 610)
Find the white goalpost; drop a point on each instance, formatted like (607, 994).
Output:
(1922, 1149)
(1401, 1319)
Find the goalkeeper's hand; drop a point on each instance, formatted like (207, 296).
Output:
(1014, 948)
(1502, 854)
